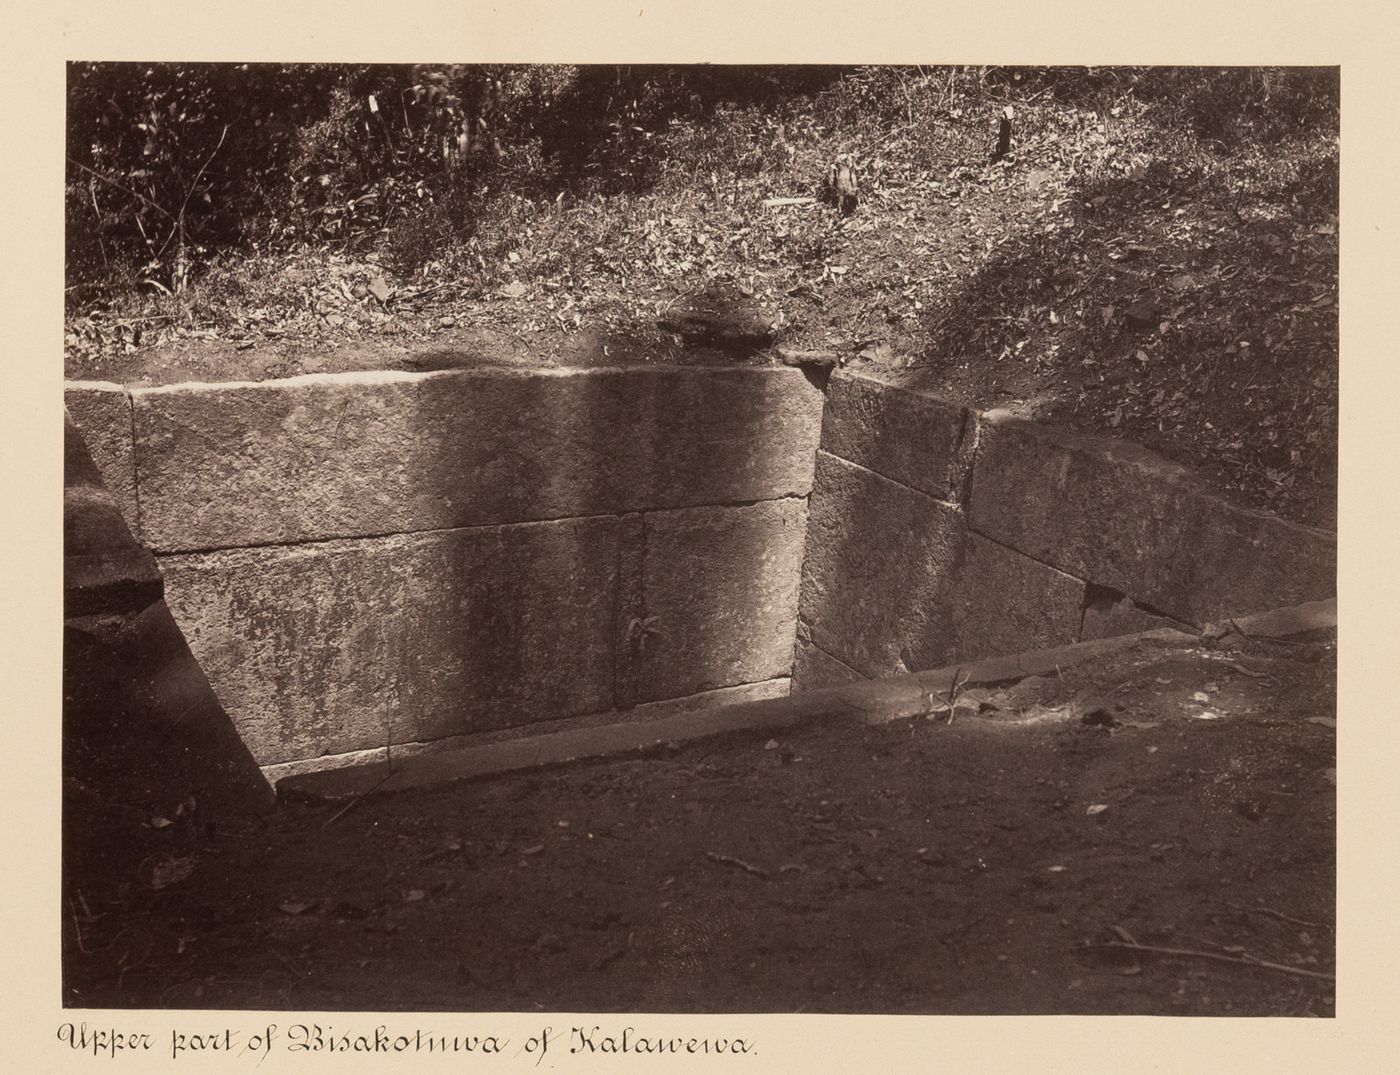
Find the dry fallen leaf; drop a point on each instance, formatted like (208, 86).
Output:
(171, 870)
(293, 907)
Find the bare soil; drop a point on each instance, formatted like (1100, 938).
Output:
(1175, 797)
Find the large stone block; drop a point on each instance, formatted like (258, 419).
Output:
(880, 560)
(719, 598)
(102, 413)
(1122, 517)
(908, 436)
(105, 569)
(814, 669)
(344, 645)
(363, 454)
(1003, 602)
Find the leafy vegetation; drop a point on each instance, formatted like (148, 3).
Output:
(1155, 258)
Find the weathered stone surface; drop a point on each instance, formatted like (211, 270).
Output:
(344, 645)
(102, 413)
(365, 454)
(105, 569)
(910, 437)
(813, 670)
(880, 559)
(1003, 602)
(720, 590)
(1122, 517)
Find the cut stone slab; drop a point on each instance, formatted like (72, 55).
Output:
(719, 598)
(342, 646)
(105, 569)
(1003, 602)
(1292, 622)
(907, 436)
(642, 714)
(814, 669)
(102, 413)
(1122, 517)
(880, 560)
(368, 454)
(558, 748)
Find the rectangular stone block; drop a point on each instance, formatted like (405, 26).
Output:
(908, 436)
(105, 569)
(102, 413)
(880, 560)
(1003, 602)
(365, 454)
(814, 669)
(1122, 517)
(719, 598)
(342, 645)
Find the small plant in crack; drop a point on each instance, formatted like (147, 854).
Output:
(640, 629)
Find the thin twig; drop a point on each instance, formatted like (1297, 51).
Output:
(356, 800)
(101, 243)
(728, 860)
(114, 183)
(388, 757)
(180, 217)
(1191, 953)
(78, 929)
(1277, 914)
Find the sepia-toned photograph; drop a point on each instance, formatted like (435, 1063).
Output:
(697, 538)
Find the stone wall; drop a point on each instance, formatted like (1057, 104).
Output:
(939, 535)
(430, 560)
(390, 558)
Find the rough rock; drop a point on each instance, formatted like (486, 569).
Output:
(721, 318)
(818, 360)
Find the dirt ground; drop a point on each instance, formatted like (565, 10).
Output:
(1179, 798)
